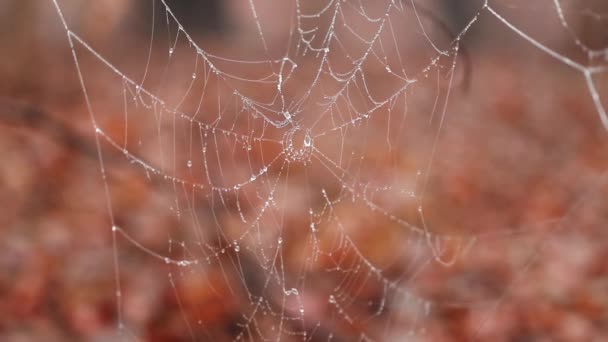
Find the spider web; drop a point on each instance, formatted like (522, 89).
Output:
(297, 168)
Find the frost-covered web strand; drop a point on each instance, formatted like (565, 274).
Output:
(247, 162)
(586, 71)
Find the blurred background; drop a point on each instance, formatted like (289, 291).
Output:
(491, 157)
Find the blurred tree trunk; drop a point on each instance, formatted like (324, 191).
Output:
(199, 15)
